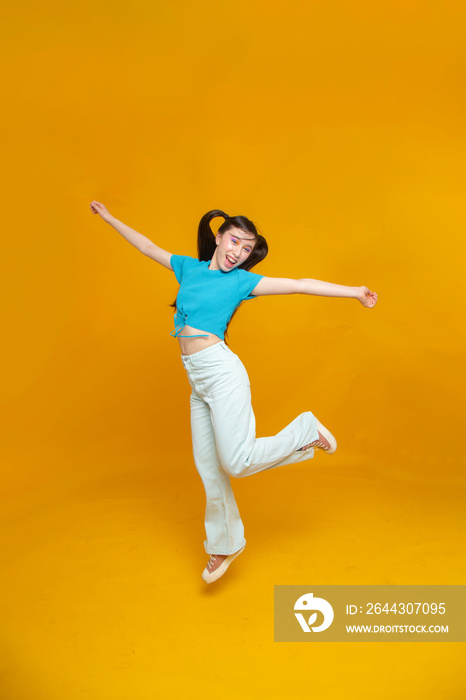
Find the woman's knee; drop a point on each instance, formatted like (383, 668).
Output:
(234, 467)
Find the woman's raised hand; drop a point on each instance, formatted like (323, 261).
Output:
(366, 297)
(99, 208)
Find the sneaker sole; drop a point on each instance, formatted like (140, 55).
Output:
(328, 436)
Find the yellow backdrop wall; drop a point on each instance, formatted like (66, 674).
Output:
(339, 129)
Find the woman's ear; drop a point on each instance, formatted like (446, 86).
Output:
(218, 238)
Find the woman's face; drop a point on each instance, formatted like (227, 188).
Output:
(233, 248)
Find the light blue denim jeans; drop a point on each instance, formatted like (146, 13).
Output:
(224, 440)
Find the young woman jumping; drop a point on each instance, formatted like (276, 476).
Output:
(223, 426)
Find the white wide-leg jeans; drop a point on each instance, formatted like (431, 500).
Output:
(224, 440)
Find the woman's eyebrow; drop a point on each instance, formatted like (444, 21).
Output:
(241, 238)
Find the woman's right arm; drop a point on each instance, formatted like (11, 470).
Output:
(142, 243)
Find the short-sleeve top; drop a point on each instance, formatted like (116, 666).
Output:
(207, 298)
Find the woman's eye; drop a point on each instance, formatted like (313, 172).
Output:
(233, 241)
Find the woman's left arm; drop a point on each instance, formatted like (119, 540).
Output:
(283, 285)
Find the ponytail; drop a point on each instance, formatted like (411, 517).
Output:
(205, 236)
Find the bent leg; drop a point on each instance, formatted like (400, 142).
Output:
(224, 528)
(241, 453)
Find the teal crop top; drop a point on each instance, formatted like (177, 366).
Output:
(207, 298)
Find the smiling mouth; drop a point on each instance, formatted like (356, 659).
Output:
(233, 262)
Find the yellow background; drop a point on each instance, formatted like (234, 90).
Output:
(339, 128)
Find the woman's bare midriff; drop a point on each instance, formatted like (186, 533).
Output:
(189, 346)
